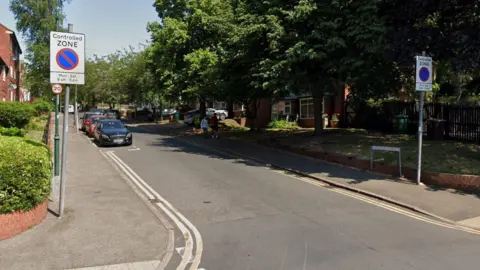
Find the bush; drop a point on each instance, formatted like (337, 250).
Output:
(196, 121)
(282, 124)
(15, 114)
(25, 171)
(42, 107)
(12, 132)
(35, 124)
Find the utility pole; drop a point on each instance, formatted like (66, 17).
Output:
(64, 144)
(57, 108)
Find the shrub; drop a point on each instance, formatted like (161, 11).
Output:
(15, 114)
(25, 171)
(196, 121)
(42, 107)
(282, 124)
(12, 132)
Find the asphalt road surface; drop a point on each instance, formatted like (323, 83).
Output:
(244, 216)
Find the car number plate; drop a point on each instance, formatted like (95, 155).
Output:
(118, 141)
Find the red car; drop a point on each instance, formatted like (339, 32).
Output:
(92, 123)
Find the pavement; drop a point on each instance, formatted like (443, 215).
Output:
(243, 215)
(106, 225)
(451, 205)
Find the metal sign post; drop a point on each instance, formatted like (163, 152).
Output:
(67, 66)
(423, 82)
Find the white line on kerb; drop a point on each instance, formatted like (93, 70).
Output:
(172, 213)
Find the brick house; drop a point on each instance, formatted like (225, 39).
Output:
(10, 82)
(301, 106)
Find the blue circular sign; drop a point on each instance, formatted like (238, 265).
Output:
(424, 74)
(67, 59)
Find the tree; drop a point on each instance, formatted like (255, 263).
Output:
(187, 47)
(35, 20)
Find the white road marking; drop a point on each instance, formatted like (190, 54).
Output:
(134, 149)
(172, 213)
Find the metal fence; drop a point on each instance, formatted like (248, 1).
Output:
(461, 122)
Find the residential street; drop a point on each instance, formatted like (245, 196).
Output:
(250, 217)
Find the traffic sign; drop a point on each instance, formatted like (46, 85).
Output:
(57, 89)
(67, 58)
(424, 74)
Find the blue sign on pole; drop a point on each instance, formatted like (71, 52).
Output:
(424, 74)
(67, 59)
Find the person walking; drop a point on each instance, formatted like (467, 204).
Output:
(214, 126)
(204, 126)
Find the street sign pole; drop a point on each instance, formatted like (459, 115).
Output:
(64, 144)
(67, 66)
(423, 79)
(56, 150)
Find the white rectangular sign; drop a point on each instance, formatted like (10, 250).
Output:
(423, 74)
(386, 148)
(67, 58)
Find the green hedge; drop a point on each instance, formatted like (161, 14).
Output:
(42, 107)
(25, 171)
(282, 124)
(12, 132)
(14, 114)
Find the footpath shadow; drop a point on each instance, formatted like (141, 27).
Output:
(171, 144)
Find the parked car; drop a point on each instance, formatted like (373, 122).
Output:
(112, 132)
(114, 113)
(188, 118)
(221, 114)
(92, 123)
(85, 118)
(97, 111)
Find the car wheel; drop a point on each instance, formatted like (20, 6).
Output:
(223, 117)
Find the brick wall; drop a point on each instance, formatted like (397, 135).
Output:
(18, 222)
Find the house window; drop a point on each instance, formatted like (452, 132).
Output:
(11, 71)
(237, 107)
(3, 98)
(4, 73)
(306, 108)
(287, 109)
(11, 96)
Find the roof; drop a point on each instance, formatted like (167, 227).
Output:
(14, 37)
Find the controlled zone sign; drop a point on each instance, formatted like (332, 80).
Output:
(67, 58)
(423, 74)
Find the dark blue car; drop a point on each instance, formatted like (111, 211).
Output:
(112, 132)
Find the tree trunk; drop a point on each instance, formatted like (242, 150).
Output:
(318, 113)
(203, 108)
(230, 108)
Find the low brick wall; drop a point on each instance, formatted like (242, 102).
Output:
(18, 222)
(468, 183)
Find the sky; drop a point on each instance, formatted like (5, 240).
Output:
(109, 25)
